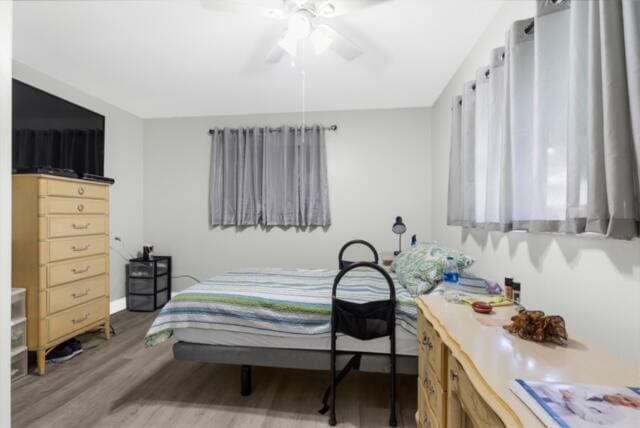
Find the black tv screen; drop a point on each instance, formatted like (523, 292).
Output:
(49, 131)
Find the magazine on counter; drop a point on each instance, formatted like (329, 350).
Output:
(568, 405)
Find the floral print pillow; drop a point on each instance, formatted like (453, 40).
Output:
(420, 268)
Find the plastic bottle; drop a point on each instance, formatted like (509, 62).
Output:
(508, 288)
(451, 273)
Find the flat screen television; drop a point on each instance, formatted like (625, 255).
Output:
(50, 132)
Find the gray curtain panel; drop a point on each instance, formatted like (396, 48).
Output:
(568, 131)
(603, 195)
(454, 197)
(270, 177)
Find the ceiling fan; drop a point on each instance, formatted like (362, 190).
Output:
(306, 20)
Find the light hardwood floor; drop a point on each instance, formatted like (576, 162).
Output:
(120, 383)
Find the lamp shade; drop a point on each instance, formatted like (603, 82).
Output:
(399, 227)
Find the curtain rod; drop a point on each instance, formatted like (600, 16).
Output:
(328, 128)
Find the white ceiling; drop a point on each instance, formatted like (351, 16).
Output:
(174, 58)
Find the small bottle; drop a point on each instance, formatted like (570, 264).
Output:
(451, 273)
(516, 292)
(508, 288)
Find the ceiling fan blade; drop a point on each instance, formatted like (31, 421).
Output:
(275, 55)
(331, 8)
(265, 8)
(340, 44)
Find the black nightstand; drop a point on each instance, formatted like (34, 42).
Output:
(148, 283)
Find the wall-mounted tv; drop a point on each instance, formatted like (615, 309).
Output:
(50, 132)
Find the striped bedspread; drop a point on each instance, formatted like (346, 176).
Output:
(279, 302)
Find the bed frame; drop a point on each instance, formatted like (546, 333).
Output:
(248, 356)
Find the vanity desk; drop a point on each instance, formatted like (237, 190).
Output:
(467, 362)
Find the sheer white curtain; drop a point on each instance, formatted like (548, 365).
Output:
(547, 138)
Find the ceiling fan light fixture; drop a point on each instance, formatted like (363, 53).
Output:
(299, 25)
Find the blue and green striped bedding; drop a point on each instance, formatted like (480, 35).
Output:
(279, 302)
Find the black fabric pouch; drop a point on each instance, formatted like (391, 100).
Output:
(364, 321)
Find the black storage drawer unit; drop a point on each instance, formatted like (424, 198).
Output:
(148, 283)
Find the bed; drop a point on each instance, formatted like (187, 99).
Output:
(280, 318)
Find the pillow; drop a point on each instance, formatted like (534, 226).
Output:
(421, 267)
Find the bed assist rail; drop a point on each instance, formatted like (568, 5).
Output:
(343, 264)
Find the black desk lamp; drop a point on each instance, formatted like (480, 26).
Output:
(399, 228)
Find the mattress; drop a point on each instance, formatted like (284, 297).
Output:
(406, 343)
(281, 308)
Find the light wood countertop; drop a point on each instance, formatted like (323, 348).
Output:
(492, 357)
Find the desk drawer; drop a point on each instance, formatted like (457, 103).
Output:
(62, 227)
(64, 249)
(76, 293)
(76, 189)
(61, 273)
(74, 206)
(75, 319)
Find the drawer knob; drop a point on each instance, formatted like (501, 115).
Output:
(78, 295)
(78, 271)
(79, 320)
(454, 375)
(80, 207)
(81, 226)
(78, 249)
(80, 190)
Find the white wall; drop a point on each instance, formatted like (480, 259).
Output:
(123, 161)
(6, 35)
(594, 283)
(378, 163)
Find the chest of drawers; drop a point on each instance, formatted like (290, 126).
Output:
(468, 361)
(61, 256)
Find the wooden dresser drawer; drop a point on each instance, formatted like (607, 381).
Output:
(61, 273)
(435, 395)
(75, 319)
(475, 407)
(436, 354)
(76, 293)
(74, 206)
(61, 227)
(423, 324)
(426, 419)
(75, 189)
(64, 249)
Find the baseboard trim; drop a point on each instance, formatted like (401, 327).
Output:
(121, 304)
(118, 305)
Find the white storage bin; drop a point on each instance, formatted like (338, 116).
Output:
(18, 303)
(18, 333)
(18, 363)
